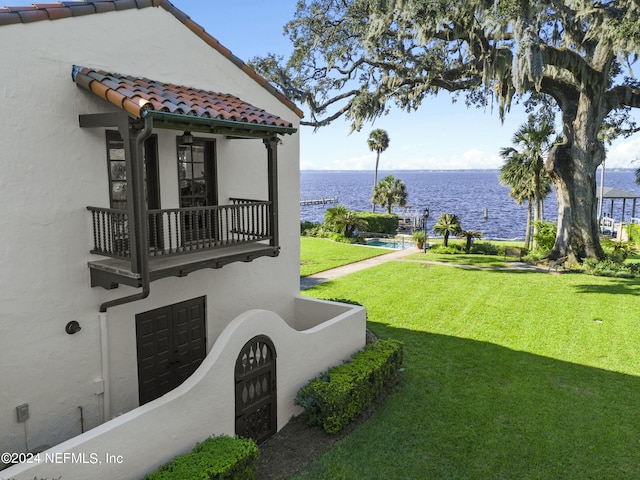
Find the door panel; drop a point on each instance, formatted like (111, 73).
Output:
(255, 390)
(189, 349)
(171, 344)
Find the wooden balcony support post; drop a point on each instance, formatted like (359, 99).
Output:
(272, 156)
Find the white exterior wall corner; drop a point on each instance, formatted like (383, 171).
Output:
(53, 170)
(153, 434)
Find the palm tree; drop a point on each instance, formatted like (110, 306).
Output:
(390, 192)
(524, 171)
(469, 235)
(447, 224)
(342, 220)
(378, 142)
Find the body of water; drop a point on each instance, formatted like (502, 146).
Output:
(466, 193)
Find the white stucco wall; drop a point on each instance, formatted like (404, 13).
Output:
(52, 170)
(203, 406)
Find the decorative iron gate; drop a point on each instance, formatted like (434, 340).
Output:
(256, 400)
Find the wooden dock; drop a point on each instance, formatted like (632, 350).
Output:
(320, 201)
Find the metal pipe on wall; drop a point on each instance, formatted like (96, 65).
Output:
(104, 360)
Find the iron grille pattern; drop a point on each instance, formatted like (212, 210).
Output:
(255, 377)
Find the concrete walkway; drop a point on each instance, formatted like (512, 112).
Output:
(328, 275)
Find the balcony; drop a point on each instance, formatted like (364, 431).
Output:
(180, 240)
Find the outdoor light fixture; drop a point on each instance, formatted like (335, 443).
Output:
(72, 327)
(425, 217)
(187, 138)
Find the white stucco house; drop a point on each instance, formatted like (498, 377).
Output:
(149, 210)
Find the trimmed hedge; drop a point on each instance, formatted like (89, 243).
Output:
(217, 458)
(379, 222)
(338, 396)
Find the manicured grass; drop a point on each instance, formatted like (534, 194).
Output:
(319, 254)
(463, 259)
(509, 375)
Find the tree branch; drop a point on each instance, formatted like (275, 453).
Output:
(623, 95)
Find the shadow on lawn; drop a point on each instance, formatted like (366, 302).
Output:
(617, 286)
(468, 410)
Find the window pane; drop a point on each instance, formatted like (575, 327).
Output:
(119, 191)
(118, 171)
(199, 188)
(198, 171)
(187, 169)
(198, 153)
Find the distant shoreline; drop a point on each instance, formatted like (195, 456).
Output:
(456, 170)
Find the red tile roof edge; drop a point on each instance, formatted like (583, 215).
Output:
(53, 11)
(139, 95)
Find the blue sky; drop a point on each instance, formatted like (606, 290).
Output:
(441, 135)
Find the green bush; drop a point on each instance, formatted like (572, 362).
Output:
(546, 235)
(379, 222)
(451, 249)
(336, 397)
(485, 248)
(217, 458)
(633, 231)
(610, 268)
(306, 227)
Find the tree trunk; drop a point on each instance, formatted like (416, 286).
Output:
(375, 182)
(527, 238)
(537, 201)
(572, 170)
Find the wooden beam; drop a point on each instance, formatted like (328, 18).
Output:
(272, 168)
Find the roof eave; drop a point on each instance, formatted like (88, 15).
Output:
(175, 121)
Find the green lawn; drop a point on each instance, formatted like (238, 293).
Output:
(319, 254)
(464, 259)
(508, 375)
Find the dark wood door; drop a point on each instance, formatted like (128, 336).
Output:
(198, 189)
(171, 344)
(255, 381)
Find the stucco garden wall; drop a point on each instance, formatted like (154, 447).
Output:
(141, 440)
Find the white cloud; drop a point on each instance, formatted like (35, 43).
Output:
(624, 153)
(470, 159)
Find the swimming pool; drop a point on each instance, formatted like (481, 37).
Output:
(390, 243)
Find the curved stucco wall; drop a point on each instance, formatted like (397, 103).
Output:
(203, 405)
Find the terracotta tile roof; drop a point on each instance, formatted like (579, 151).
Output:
(139, 96)
(53, 11)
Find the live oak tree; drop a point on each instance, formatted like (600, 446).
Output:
(357, 57)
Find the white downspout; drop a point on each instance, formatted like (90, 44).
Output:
(104, 357)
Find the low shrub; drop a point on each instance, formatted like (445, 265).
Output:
(345, 300)
(306, 227)
(617, 252)
(217, 458)
(336, 397)
(485, 248)
(451, 249)
(610, 268)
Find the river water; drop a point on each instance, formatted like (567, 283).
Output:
(475, 196)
